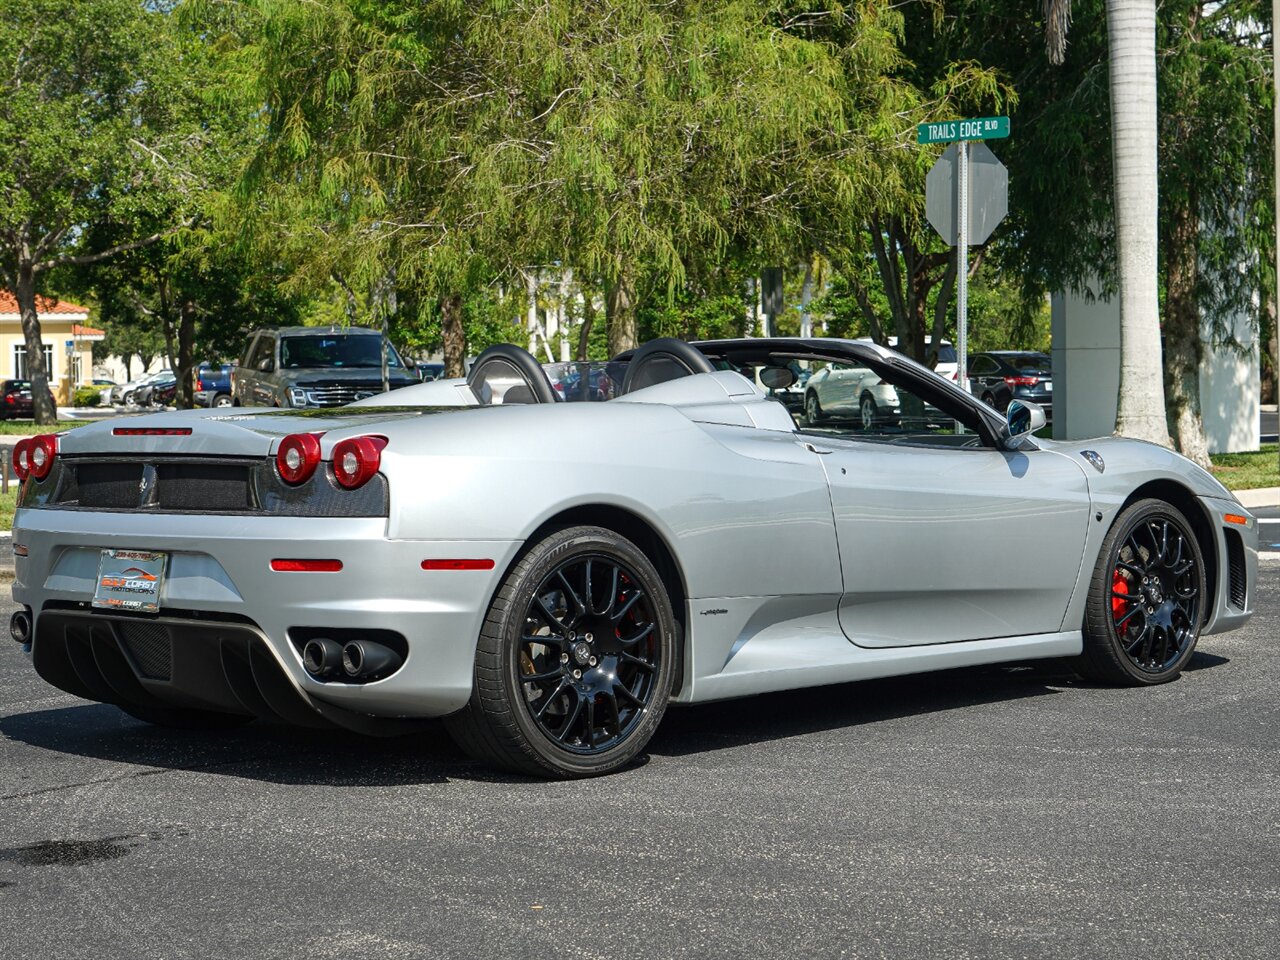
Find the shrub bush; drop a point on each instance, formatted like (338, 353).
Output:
(87, 397)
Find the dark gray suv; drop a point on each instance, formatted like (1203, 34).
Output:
(315, 367)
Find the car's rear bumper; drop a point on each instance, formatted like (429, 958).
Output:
(218, 572)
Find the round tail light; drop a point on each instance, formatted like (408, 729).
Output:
(41, 453)
(357, 459)
(298, 457)
(22, 458)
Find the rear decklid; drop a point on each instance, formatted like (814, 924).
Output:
(216, 432)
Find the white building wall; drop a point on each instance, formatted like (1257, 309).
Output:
(1086, 376)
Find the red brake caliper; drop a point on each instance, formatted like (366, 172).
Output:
(1118, 585)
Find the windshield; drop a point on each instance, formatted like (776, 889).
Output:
(1031, 363)
(336, 350)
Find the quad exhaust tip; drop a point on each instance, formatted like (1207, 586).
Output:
(323, 659)
(364, 659)
(20, 626)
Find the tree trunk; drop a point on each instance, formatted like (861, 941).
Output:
(453, 335)
(1184, 351)
(620, 315)
(44, 411)
(588, 321)
(1131, 33)
(185, 399)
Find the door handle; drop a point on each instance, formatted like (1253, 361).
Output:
(811, 448)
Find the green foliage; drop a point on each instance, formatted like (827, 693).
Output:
(693, 317)
(87, 397)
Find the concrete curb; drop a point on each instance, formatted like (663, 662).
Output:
(1262, 497)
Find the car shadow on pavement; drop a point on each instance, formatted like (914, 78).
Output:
(275, 753)
(268, 752)
(775, 716)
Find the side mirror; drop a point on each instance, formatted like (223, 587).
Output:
(266, 365)
(1022, 419)
(777, 378)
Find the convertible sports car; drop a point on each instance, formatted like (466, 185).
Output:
(548, 575)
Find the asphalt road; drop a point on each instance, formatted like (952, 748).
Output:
(1011, 812)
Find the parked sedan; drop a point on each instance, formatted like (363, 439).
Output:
(999, 376)
(15, 400)
(145, 396)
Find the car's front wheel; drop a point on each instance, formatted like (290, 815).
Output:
(1146, 601)
(575, 661)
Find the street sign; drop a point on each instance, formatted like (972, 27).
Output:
(979, 128)
(988, 194)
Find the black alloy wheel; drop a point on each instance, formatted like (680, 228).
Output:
(576, 660)
(1147, 601)
(588, 656)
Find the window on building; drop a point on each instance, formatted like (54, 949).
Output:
(20, 361)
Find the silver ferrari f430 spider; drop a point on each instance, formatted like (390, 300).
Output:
(546, 556)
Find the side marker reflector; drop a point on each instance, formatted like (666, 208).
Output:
(457, 564)
(1236, 518)
(306, 566)
(19, 549)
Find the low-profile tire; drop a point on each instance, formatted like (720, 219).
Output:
(812, 408)
(1146, 600)
(868, 412)
(582, 600)
(178, 718)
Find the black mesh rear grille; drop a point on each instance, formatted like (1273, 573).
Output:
(202, 486)
(208, 485)
(1236, 569)
(109, 485)
(148, 645)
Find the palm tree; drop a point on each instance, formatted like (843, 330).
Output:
(1131, 34)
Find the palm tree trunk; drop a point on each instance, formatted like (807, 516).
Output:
(1131, 31)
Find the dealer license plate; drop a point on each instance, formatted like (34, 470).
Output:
(129, 580)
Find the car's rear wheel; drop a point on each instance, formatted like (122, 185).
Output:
(812, 408)
(575, 661)
(1146, 600)
(222, 400)
(868, 411)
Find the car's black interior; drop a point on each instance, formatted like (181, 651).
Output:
(926, 409)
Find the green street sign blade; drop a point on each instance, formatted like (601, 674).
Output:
(979, 128)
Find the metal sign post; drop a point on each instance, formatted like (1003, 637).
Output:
(962, 266)
(966, 196)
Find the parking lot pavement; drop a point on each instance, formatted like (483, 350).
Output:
(1010, 812)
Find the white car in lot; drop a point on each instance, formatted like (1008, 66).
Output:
(850, 391)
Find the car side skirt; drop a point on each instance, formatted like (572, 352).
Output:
(746, 650)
